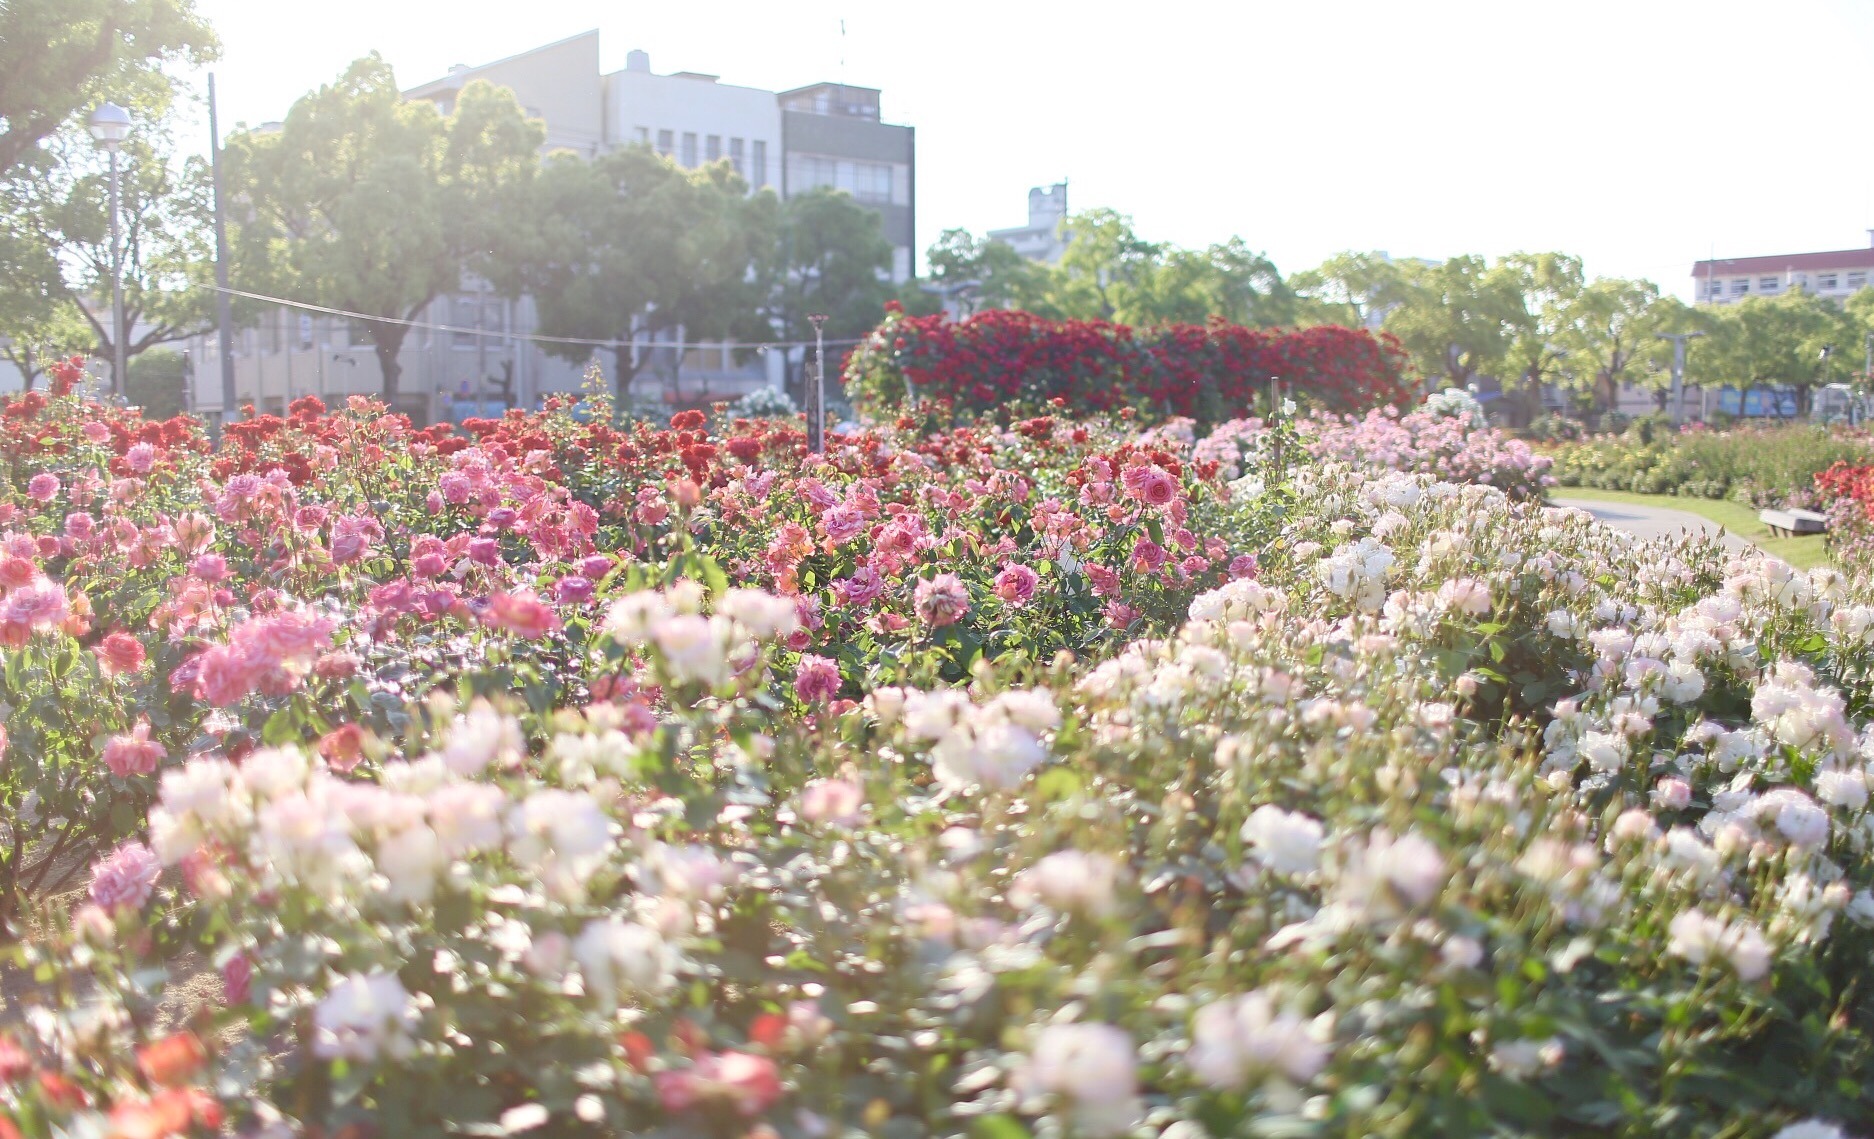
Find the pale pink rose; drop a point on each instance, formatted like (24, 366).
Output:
(133, 752)
(818, 679)
(126, 878)
(942, 600)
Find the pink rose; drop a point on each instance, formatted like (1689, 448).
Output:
(941, 601)
(521, 614)
(818, 679)
(43, 487)
(134, 752)
(126, 878)
(1016, 583)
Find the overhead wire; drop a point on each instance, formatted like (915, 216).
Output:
(534, 337)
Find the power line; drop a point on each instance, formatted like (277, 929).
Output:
(535, 337)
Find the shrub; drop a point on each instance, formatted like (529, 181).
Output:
(1001, 360)
(1758, 466)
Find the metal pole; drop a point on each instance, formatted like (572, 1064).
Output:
(223, 321)
(118, 386)
(816, 418)
(1678, 371)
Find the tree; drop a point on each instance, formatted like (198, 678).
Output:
(1611, 333)
(59, 202)
(60, 57)
(1002, 277)
(1778, 341)
(1105, 272)
(632, 244)
(1227, 281)
(1355, 290)
(1455, 317)
(834, 261)
(365, 202)
(1548, 285)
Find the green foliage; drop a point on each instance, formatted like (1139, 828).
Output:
(630, 243)
(62, 57)
(158, 383)
(1109, 272)
(366, 202)
(1758, 466)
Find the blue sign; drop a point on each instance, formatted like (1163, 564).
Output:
(1777, 403)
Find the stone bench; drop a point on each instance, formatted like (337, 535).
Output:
(1789, 523)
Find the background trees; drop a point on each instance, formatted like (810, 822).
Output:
(365, 202)
(60, 57)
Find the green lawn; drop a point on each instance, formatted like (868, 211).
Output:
(1737, 518)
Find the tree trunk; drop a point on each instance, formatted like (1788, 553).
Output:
(387, 342)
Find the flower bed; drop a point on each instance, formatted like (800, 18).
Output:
(1758, 466)
(574, 781)
(1005, 359)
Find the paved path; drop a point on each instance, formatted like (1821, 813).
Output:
(1652, 521)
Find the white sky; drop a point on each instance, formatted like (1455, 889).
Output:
(1639, 134)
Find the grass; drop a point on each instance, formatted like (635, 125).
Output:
(1739, 519)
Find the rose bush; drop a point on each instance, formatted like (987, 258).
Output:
(564, 779)
(1003, 359)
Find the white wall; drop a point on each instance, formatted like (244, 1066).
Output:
(640, 100)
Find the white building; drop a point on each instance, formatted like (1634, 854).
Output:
(1041, 239)
(1836, 274)
(692, 117)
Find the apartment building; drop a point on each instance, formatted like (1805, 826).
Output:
(823, 135)
(1835, 273)
(832, 135)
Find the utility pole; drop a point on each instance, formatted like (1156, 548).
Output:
(816, 395)
(223, 322)
(1678, 371)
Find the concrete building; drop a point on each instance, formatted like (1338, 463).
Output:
(1041, 239)
(827, 134)
(1835, 274)
(832, 135)
(559, 84)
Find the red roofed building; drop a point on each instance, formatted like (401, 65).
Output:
(1835, 274)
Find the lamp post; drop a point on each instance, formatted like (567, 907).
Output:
(816, 395)
(110, 125)
(1678, 371)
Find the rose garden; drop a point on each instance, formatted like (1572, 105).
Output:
(1108, 737)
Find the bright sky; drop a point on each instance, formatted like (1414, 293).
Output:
(1639, 134)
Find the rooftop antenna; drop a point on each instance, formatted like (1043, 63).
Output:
(842, 51)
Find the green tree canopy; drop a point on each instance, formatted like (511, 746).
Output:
(58, 58)
(833, 260)
(1456, 317)
(632, 244)
(1547, 285)
(1764, 341)
(365, 202)
(59, 203)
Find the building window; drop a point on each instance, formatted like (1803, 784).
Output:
(1766, 285)
(1857, 280)
(1740, 286)
(1825, 281)
(666, 141)
(758, 157)
(712, 147)
(644, 136)
(737, 157)
(689, 148)
(1713, 287)
(816, 172)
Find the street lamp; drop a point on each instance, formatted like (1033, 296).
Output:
(110, 125)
